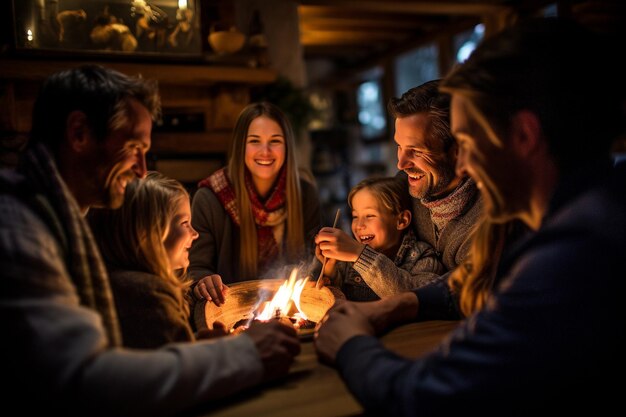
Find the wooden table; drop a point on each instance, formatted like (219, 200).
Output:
(316, 390)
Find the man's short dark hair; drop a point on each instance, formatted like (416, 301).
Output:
(100, 93)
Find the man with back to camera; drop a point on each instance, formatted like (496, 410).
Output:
(91, 131)
(531, 132)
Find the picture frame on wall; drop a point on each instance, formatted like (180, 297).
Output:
(125, 28)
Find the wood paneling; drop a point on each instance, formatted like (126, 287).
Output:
(218, 93)
(167, 74)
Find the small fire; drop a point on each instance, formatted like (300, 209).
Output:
(286, 300)
(284, 303)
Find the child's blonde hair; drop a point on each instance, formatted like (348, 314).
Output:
(391, 193)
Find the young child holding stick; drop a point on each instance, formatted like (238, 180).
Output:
(384, 257)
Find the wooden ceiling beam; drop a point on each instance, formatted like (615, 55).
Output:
(414, 7)
(347, 37)
(314, 12)
(337, 51)
(328, 23)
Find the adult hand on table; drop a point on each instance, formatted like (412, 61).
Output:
(277, 344)
(389, 311)
(219, 330)
(211, 289)
(342, 322)
(347, 319)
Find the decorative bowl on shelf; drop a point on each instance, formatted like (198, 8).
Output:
(226, 42)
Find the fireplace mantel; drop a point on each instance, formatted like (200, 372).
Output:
(214, 94)
(166, 74)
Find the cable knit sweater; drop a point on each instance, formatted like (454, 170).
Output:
(374, 275)
(452, 241)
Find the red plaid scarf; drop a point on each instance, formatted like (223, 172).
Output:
(269, 216)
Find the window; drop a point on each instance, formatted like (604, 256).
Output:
(372, 119)
(550, 10)
(466, 42)
(416, 67)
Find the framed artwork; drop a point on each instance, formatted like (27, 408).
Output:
(157, 28)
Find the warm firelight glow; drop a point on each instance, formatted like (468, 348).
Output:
(286, 301)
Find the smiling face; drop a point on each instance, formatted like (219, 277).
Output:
(121, 158)
(375, 225)
(180, 235)
(265, 152)
(430, 168)
(500, 175)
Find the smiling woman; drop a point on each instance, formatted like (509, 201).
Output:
(256, 214)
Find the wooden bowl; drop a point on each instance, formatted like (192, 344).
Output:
(243, 296)
(226, 41)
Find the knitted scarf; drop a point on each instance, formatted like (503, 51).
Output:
(453, 205)
(53, 202)
(269, 215)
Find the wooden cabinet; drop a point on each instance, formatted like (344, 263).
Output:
(200, 106)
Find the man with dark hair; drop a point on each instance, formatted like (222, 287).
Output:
(446, 205)
(534, 131)
(91, 131)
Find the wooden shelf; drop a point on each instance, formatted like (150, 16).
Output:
(167, 74)
(186, 142)
(219, 92)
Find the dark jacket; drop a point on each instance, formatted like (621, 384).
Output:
(551, 338)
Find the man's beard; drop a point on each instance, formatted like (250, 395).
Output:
(431, 190)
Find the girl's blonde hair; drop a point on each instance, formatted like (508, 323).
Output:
(132, 236)
(474, 280)
(294, 242)
(390, 192)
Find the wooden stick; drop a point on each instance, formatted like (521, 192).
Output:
(319, 279)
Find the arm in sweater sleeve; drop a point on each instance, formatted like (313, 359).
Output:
(62, 355)
(386, 278)
(312, 215)
(437, 301)
(206, 214)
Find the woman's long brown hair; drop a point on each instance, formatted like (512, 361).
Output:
(294, 243)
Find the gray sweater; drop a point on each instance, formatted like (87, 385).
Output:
(453, 242)
(61, 341)
(374, 275)
(216, 251)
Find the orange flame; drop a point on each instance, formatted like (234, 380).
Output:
(286, 299)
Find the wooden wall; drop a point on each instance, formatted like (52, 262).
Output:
(210, 95)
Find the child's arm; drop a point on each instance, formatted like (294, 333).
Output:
(337, 244)
(418, 267)
(329, 275)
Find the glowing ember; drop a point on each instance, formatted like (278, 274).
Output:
(284, 303)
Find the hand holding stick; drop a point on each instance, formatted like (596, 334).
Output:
(319, 279)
